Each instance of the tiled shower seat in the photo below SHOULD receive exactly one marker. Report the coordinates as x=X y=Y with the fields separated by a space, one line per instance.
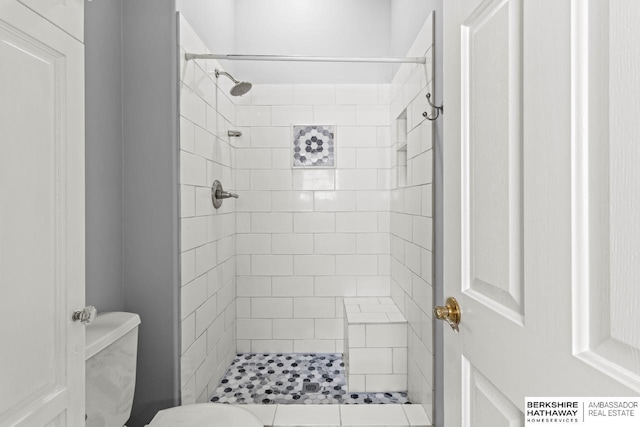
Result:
x=375 y=345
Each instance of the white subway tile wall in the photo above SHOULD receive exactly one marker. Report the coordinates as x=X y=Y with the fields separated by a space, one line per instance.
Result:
x=312 y=235
x=411 y=213
x=208 y=245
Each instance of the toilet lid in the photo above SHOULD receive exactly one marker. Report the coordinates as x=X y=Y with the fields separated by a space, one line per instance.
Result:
x=205 y=415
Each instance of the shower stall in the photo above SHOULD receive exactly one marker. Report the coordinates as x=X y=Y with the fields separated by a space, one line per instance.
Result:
x=315 y=285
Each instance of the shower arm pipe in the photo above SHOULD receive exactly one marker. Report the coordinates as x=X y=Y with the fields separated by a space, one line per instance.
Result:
x=294 y=58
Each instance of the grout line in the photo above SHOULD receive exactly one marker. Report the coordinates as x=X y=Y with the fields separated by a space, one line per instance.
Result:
x=275 y=414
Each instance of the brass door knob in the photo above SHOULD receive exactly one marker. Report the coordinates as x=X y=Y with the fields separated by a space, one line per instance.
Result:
x=450 y=312
x=86 y=316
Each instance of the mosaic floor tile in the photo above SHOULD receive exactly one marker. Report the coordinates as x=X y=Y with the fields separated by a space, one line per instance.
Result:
x=310 y=378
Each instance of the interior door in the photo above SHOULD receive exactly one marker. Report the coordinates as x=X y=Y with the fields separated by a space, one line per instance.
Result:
x=42 y=221
x=66 y=14
x=541 y=202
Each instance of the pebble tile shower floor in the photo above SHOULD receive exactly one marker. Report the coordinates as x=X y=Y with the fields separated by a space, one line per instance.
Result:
x=285 y=378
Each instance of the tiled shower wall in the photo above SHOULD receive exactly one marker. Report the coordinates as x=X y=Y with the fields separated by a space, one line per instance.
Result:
x=412 y=212
x=298 y=241
x=307 y=238
x=207 y=235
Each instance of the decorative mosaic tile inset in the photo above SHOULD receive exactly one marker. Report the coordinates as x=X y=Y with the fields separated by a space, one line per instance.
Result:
x=314 y=146
x=291 y=378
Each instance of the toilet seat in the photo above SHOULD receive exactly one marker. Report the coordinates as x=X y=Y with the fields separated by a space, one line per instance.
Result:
x=205 y=415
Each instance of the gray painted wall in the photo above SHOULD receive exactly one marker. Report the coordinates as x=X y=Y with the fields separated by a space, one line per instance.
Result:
x=103 y=155
x=150 y=199
x=360 y=28
x=312 y=27
x=407 y=18
x=132 y=184
x=216 y=21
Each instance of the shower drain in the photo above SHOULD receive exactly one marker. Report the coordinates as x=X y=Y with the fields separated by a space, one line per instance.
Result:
x=310 y=387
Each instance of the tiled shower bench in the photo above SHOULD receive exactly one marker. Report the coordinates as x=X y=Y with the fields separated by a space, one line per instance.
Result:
x=375 y=345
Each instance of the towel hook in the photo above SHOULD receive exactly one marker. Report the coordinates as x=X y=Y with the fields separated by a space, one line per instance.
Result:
x=439 y=109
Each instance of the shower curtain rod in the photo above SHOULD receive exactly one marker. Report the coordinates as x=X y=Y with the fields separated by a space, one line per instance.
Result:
x=235 y=57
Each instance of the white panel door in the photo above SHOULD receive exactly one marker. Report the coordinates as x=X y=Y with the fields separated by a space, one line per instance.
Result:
x=41 y=221
x=66 y=14
x=541 y=203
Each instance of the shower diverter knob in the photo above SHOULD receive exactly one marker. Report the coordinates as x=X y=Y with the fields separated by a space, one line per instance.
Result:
x=218 y=194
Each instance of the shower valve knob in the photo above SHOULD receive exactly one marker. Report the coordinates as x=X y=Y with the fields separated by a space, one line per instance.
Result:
x=226 y=195
x=218 y=194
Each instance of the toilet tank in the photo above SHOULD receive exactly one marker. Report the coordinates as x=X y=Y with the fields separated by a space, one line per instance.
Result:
x=110 y=376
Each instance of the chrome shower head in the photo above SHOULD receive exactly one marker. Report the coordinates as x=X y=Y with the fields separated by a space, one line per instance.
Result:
x=240 y=88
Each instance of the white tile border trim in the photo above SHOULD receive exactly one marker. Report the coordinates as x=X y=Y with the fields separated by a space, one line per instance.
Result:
x=388 y=415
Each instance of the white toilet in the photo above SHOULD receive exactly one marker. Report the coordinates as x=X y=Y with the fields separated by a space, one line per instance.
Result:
x=111 y=350
x=205 y=414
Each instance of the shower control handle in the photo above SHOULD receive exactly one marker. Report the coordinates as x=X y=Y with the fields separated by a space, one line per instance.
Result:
x=218 y=194
x=225 y=195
